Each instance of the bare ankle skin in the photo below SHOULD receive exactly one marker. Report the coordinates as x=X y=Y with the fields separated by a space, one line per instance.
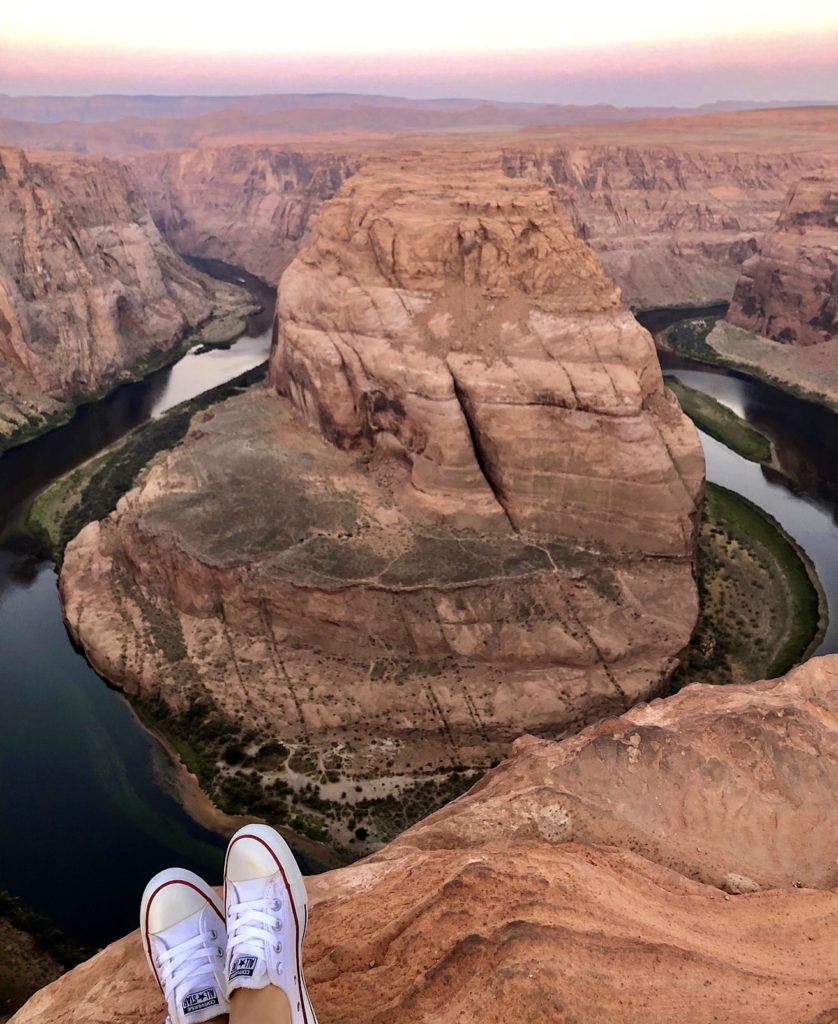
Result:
x=260 y=1006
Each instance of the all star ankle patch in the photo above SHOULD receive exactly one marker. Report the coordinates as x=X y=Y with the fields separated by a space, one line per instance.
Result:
x=201 y=1000
x=243 y=967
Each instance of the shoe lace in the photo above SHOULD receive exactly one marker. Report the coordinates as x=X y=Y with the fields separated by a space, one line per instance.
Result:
x=193 y=959
x=253 y=924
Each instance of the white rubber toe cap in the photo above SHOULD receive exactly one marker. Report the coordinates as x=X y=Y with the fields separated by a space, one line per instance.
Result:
x=250 y=855
x=171 y=897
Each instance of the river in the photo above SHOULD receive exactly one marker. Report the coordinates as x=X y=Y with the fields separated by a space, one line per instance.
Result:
x=86 y=808
x=87 y=812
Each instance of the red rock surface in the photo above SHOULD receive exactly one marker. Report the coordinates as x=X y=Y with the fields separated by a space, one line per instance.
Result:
x=788 y=290
x=672 y=224
x=582 y=881
x=247 y=205
x=87 y=284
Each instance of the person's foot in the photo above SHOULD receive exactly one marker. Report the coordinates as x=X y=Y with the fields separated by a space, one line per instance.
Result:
x=184 y=937
x=267 y=913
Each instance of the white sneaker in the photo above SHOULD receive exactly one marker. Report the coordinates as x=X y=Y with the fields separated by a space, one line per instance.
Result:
x=184 y=937
x=267 y=914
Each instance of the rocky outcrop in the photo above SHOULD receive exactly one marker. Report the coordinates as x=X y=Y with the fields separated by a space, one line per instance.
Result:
x=472 y=516
x=672 y=224
x=246 y=205
x=676 y=863
x=788 y=290
x=87 y=285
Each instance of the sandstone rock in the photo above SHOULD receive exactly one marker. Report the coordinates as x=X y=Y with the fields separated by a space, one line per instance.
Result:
x=472 y=517
x=87 y=285
x=481 y=913
x=456 y=319
x=246 y=205
x=788 y=290
x=672 y=224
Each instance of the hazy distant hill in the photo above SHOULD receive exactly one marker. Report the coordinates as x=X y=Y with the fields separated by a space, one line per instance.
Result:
x=50 y=109
x=120 y=125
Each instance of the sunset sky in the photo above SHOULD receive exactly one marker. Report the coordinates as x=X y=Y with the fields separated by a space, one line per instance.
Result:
x=629 y=52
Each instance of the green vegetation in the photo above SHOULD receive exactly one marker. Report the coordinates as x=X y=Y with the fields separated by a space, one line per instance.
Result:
x=689 y=338
x=92 y=491
x=722 y=423
x=759 y=609
x=242 y=773
x=48 y=936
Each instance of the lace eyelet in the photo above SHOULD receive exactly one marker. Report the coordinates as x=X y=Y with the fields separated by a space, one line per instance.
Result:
x=279 y=967
x=278 y=926
x=275 y=905
x=278 y=947
x=157 y=961
x=213 y=933
x=220 y=952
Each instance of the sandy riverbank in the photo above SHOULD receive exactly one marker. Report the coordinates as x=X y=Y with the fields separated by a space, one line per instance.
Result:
x=807 y=370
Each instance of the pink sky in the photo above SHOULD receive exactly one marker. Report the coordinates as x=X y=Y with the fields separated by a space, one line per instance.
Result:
x=754 y=49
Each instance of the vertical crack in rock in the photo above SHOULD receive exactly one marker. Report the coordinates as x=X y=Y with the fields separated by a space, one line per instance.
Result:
x=483 y=462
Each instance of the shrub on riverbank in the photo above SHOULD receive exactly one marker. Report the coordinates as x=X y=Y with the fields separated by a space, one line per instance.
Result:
x=759 y=609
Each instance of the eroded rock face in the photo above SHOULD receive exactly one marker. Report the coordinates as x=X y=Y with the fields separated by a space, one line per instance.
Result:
x=472 y=517
x=672 y=224
x=87 y=285
x=246 y=205
x=585 y=880
x=456 y=322
x=788 y=290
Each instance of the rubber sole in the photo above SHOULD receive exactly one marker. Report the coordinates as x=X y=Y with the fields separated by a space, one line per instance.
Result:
x=288 y=868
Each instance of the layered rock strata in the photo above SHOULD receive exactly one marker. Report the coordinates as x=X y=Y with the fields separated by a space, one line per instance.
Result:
x=246 y=205
x=470 y=514
x=672 y=224
x=676 y=863
x=87 y=284
x=788 y=290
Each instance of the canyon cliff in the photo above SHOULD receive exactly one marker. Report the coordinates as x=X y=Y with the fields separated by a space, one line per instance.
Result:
x=788 y=290
x=246 y=205
x=673 y=208
x=674 y=864
x=466 y=511
x=87 y=284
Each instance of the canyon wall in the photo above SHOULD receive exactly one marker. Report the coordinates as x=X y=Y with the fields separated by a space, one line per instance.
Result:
x=469 y=512
x=246 y=205
x=671 y=224
x=675 y=863
x=87 y=284
x=788 y=290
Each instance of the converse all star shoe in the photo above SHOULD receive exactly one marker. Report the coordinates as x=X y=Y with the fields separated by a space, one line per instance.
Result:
x=267 y=913
x=184 y=937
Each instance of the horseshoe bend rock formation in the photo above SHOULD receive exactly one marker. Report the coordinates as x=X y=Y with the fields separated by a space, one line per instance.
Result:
x=788 y=290
x=472 y=516
x=87 y=285
x=676 y=863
